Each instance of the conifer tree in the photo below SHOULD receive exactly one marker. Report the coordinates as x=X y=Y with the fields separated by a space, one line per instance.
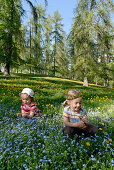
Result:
x=62 y=60
x=10 y=24
x=48 y=44
x=38 y=57
x=92 y=17
x=11 y=12
x=57 y=36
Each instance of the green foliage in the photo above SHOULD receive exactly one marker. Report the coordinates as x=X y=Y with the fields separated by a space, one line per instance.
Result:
x=57 y=36
x=91 y=40
x=42 y=46
x=10 y=32
x=48 y=45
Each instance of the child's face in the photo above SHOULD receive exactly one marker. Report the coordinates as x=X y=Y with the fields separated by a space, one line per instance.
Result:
x=75 y=104
x=26 y=99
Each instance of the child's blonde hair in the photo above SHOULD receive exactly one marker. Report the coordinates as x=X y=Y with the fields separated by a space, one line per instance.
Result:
x=72 y=94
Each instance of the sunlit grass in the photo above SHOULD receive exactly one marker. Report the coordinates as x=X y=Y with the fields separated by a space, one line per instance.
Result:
x=39 y=143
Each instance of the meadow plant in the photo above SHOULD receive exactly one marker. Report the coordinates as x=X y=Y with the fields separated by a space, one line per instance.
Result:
x=39 y=143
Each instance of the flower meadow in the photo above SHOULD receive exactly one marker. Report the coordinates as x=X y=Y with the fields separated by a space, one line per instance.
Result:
x=33 y=144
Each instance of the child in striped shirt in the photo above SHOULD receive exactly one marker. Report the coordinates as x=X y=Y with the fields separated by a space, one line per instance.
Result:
x=28 y=107
x=75 y=117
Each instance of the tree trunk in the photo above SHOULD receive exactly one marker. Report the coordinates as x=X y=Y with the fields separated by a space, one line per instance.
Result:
x=30 y=70
x=30 y=48
x=7 y=70
x=54 y=68
x=96 y=81
x=34 y=71
x=16 y=70
x=107 y=83
x=85 y=82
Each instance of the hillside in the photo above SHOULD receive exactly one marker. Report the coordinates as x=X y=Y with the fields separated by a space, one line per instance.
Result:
x=40 y=143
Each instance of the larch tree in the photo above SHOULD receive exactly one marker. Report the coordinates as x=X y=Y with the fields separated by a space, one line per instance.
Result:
x=104 y=37
x=62 y=58
x=48 y=44
x=57 y=36
x=38 y=58
x=11 y=12
x=84 y=43
x=10 y=24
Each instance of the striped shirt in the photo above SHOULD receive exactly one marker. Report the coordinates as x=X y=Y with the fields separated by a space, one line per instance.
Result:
x=31 y=108
x=72 y=116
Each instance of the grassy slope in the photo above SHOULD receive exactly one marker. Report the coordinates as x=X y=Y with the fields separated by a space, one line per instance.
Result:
x=49 y=90
x=49 y=94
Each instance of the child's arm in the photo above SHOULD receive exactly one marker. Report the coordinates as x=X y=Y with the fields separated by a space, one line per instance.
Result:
x=21 y=114
x=28 y=116
x=70 y=124
x=32 y=113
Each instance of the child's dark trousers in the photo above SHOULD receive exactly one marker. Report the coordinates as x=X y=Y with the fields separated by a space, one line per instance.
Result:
x=89 y=130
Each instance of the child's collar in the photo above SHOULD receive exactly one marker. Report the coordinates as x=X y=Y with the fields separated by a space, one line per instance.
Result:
x=30 y=105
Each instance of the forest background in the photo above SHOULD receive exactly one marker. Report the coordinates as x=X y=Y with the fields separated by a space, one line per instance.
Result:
x=43 y=47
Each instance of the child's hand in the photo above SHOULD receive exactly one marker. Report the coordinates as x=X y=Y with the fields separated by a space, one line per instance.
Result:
x=81 y=124
x=85 y=120
x=19 y=114
x=31 y=114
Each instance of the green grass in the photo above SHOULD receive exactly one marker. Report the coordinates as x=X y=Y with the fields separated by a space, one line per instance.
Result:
x=39 y=143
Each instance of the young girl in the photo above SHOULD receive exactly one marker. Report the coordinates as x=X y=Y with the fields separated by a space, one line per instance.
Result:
x=75 y=117
x=28 y=108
